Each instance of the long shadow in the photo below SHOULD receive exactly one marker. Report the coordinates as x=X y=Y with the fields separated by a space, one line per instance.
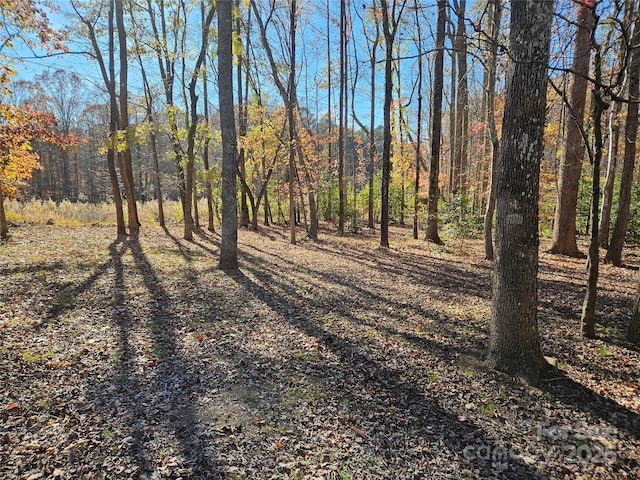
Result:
x=357 y=298
x=624 y=419
x=175 y=376
x=434 y=422
x=162 y=398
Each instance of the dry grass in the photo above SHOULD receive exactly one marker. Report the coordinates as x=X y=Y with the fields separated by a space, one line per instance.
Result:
x=70 y=214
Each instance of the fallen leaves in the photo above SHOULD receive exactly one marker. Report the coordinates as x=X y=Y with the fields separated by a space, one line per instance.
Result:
x=357 y=363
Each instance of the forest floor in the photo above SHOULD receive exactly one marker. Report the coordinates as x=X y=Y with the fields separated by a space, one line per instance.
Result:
x=331 y=359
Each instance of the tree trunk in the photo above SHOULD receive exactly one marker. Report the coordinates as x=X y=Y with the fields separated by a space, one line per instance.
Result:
x=205 y=150
x=436 y=127
x=342 y=119
x=416 y=198
x=390 y=21
x=4 y=226
x=229 y=241
x=292 y=128
x=614 y=253
x=493 y=130
x=462 y=104
x=127 y=172
x=564 y=225
x=607 y=191
x=588 y=317
x=242 y=128
x=514 y=343
x=587 y=320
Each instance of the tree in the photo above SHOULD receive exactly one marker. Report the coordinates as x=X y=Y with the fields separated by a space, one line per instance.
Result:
x=459 y=173
x=514 y=343
x=229 y=243
x=342 y=122
x=390 y=22
x=19 y=127
x=193 y=123
x=436 y=127
x=493 y=131
x=288 y=93
x=587 y=319
x=614 y=252
x=564 y=225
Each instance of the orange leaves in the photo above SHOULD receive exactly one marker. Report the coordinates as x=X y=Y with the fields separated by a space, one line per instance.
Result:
x=19 y=126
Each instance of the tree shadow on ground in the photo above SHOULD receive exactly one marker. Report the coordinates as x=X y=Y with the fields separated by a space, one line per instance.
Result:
x=433 y=423
x=164 y=402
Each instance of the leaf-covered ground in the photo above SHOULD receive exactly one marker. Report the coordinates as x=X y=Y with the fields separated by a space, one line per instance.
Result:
x=331 y=359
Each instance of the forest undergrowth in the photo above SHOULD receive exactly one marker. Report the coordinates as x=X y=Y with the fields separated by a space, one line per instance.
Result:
x=332 y=359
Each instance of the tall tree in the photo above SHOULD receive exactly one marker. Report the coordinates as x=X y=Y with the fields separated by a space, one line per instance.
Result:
x=587 y=319
x=107 y=70
x=459 y=173
x=614 y=252
x=491 y=122
x=229 y=242
x=416 y=199
x=288 y=93
x=193 y=123
x=342 y=119
x=373 y=42
x=126 y=164
x=436 y=127
x=390 y=22
x=514 y=343
x=564 y=225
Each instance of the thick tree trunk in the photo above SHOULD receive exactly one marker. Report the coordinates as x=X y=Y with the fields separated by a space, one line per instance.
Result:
x=514 y=343
x=436 y=127
x=229 y=242
x=564 y=225
x=614 y=252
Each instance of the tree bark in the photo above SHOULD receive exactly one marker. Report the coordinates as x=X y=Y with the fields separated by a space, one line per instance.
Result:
x=564 y=225
x=436 y=127
x=462 y=104
x=229 y=242
x=607 y=191
x=493 y=130
x=514 y=343
x=390 y=21
x=614 y=252
x=342 y=119
x=127 y=172
x=416 y=199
